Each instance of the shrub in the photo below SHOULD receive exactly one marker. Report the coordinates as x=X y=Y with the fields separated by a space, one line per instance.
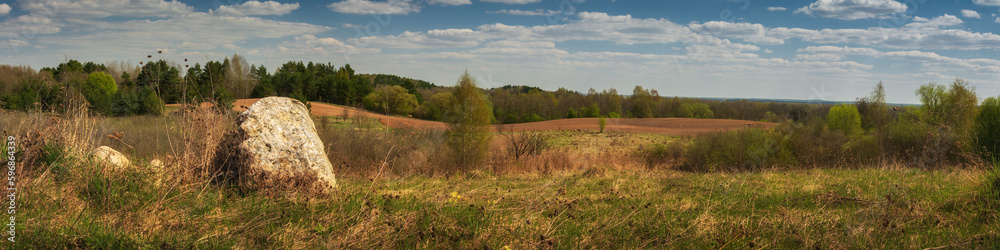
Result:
x=151 y=103
x=524 y=143
x=955 y=106
x=32 y=92
x=391 y=99
x=696 y=110
x=844 y=118
x=750 y=149
x=99 y=90
x=811 y=144
x=660 y=154
x=987 y=128
x=903 y=138
x=468 y=121
x=873 y=109
x=602 y=123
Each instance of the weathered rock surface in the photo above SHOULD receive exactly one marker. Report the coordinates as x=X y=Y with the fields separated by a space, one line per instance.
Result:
x=276 y=144
x=110 y=156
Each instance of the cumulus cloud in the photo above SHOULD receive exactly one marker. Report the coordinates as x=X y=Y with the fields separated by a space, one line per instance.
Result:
x=852 y=9
x=970 y=14
x=4 y=9
x=365 y=7
x=538 y=12
x=450 y=2
x=928 y=59
x=513 y=1
x=106 y=8
x=941 y=21
x=987 y=2
x=256 y=8
x=776 y=8
x=750 y=32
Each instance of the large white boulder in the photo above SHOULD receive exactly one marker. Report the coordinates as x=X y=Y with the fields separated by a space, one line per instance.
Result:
x=276 y=144
x=110 y=156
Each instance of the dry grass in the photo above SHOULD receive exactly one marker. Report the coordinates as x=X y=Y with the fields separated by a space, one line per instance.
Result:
x=586 y=191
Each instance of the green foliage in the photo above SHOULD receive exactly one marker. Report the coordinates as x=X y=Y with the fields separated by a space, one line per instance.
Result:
x=468 y=121
x=659 y=154
x=572 y=114
x=750 y=149
x=162 y=78
x=319 y=82
x=602 y=123
x=264 y=86
x=955 y=106
x=151 y=103
x=695 y=110
x=435 y=107
x=642 y=103
x=844 y=118
x=32 y=92
x=987 y=128
x=391 y=99
x=873 y=109
x=99 y=89
x=614 y=115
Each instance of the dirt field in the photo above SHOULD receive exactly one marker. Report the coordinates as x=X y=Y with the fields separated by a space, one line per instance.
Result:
x=663 y=126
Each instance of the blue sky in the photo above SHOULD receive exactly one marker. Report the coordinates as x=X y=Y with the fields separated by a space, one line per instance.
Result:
x=818 y=49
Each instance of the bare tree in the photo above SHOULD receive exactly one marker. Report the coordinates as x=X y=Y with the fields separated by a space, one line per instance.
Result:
x=523 y=143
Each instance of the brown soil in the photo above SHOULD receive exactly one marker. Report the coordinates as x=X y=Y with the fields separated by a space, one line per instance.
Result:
x=664 y=126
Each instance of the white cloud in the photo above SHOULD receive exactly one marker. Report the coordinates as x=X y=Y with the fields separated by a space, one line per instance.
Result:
x=929 y=60
x=106 y=8
x=364 y=7
x=450 y=2
x=970 y=14
x=941 y=21
x=922 y=33
x=196 y=31
x=447 y=38
x=4 y=9
x=750 y=32
x=538 y=12
x=513 y=1
x=997 y=20
x=776 y=8
x=852 y=9
x=256 y=8
x=987 y=2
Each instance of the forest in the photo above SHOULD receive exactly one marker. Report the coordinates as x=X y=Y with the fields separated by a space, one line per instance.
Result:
x=119 y=89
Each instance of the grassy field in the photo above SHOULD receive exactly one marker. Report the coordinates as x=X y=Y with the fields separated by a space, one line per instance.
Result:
x=594 y=195
x=866 y=208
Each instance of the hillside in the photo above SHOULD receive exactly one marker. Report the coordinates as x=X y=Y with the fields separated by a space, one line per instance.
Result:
x=663 y=126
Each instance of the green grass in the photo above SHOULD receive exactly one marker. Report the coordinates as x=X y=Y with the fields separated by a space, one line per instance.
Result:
x=825 y=208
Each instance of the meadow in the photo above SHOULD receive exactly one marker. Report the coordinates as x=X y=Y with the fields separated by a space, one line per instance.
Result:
x=583 y=189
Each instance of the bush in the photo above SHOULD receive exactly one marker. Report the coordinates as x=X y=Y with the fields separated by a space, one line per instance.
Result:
x=524 y=143
x=32 y=92
x=903 y=138
x=955 y=106
x=844 y=118
x=660 y=154
x=811 y=144
x=696 y=110
x=391 y=99
x=987 y=128
x=750 y=149
x=602 y=123
x=151 y=103
x=99 y=89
